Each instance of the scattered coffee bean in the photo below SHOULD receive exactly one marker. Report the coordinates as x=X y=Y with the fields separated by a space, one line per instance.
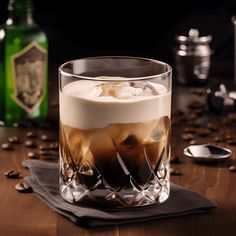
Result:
x=30 y=144
x=203 y=131
x=211 y=126
x=46 y=138
x=12 y=174
x=33 y=155
x=174 y=160
x=228 y=137
x=231 y=142
x=23 y=188
x=31 y=134
x=232 y=168
x=218 y=139
x=175 y=172
x=44 y=147
x=193 y=142
x=187 y=136
x=51 y=146
x=14 y=139
x=7 y=146
x=54 y=146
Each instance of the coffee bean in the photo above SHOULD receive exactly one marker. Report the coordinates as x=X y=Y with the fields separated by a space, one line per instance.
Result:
x=232 y=168
x=175 y=172
x=228 y=137
x=51 y=146
x=231 y=142
x=33 y=155
x=192 y=142
x=12 y=174
x=46 y=138
x=174 y=160
x=187 y=136
x=203 y=131
x=14 y=139
x=31 y=134
x=7 y=146
x=211 y=126
x=30 y=144
x=23 y=188
x=218 y=139
x=54 y=146
x=44 y=147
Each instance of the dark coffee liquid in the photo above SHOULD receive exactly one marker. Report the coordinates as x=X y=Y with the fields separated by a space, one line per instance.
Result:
x=111 y=166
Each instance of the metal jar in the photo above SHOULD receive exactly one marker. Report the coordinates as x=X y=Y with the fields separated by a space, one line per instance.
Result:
x=192 y=57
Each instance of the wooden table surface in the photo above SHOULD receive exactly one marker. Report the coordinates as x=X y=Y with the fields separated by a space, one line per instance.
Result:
x=25 y=214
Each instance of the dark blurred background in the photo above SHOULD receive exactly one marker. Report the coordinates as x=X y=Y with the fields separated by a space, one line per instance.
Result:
x=76 y=29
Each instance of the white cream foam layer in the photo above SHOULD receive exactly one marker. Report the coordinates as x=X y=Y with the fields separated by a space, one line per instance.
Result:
x=82 y=107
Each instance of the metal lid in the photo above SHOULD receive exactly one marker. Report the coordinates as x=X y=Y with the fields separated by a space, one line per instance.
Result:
x=193 y=37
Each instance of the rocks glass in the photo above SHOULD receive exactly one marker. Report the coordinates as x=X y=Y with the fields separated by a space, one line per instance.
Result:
x=115 y=131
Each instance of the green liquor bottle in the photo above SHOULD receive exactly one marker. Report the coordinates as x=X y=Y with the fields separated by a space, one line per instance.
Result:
x=23 y=65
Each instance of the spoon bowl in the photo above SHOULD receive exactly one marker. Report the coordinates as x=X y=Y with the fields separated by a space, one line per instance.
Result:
x=207 y=153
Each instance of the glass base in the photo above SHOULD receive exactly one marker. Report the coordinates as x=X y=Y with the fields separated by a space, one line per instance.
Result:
x=103 y=195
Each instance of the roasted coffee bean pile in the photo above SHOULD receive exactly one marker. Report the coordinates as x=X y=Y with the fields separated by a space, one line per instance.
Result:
x=44 y=147
x=197 y=125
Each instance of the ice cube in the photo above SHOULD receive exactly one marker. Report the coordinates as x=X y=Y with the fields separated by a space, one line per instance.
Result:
x=124 y=90
x=128 y=92
x=146 y=88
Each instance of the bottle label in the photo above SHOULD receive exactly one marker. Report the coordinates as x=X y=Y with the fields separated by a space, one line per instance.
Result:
x=29 y=76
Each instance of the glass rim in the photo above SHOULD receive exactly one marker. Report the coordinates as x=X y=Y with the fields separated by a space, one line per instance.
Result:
x=72 y=75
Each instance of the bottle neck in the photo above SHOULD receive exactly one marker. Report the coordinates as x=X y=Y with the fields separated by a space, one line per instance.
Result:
x=20 y=12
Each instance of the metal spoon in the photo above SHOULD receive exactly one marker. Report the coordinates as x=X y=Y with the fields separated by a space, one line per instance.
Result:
x=207 y=153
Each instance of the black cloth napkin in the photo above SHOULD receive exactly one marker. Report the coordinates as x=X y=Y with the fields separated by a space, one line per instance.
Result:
x=45 y=184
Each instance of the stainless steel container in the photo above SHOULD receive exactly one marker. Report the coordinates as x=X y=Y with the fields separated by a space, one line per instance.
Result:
x=192 y=57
